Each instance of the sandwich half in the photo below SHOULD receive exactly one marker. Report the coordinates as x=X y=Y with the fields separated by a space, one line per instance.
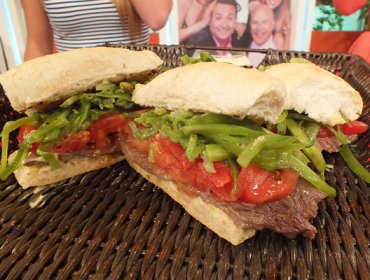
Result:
x=322 y=110
x=74 y=101
x=203 y=139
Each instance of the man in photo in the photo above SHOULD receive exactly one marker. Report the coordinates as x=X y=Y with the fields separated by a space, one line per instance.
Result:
x=262 y=24
x=220 y=32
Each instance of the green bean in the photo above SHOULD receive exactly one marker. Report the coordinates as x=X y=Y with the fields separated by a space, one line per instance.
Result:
x=235 y=172
x=70 y=101
x=126 y=87
x=215 y=152
x=220 y=129
x=256 y=147
x=281 y=128
x=313 y=153
x=354 y=164
x=232 y=144
x=210 y=118
x=190 y=148
x=57 y=120
x=309 y=175
x=269 y=160
x=105 y=86
x=282 y=117
x=49 y=158
x=8 y=128
x=143 y=133
x=21 y=155
x=209 y=166
x=311 y=130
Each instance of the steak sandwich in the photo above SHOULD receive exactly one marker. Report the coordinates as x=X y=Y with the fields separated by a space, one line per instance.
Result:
x=73 y=101
x=205 y=140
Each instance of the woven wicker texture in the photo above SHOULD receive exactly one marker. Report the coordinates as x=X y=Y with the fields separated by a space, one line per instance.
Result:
x=113 y=224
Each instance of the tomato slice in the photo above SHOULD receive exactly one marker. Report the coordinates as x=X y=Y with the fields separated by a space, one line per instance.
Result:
x=255 y=185
x=170 y=157
x=23 y=131
x=259 y=186
x=220 y=183
x=103 y=127
x=354 y=127
x=77 y=142
x=177 y=151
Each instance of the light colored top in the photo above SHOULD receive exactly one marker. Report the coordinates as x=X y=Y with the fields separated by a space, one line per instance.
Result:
x=86 y=23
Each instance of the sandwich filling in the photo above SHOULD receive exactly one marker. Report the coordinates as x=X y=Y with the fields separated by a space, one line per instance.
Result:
x=81 y=126
x=260 y=178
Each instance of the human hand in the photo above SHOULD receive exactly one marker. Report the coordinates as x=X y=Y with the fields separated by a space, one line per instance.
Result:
x=207 y=13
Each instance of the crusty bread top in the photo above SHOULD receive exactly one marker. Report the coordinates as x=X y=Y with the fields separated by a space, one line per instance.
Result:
x=320 y=94
x=58 y=76
x=215 y=87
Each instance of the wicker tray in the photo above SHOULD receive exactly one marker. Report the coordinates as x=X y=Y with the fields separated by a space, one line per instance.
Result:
x=112 y=223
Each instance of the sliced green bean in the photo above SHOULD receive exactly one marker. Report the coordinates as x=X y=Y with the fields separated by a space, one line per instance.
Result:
x=8 y=128
x=354 y=164
x=312 y=130
x=313 y=153
x=235 y=172
x=309 y=175
x=215 y=152
x=220 y=129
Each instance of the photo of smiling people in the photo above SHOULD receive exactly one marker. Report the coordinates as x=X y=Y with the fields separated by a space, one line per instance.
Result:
x=256 y=24
x=213 y=23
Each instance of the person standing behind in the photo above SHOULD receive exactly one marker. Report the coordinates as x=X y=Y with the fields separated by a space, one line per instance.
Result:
x=85 y=23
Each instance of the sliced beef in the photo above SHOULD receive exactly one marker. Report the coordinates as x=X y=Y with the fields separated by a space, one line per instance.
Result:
x=332 y=144
x=289 y=216
x=33 y=160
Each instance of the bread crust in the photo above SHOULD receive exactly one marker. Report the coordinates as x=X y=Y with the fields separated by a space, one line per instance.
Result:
x=58 y=76
x=209 y=215
x=216 y=87
x=320 y=94
x=41 y=175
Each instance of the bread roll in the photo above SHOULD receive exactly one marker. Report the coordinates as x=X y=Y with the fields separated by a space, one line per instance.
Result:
x=215 y=87
x=58 y=76
x=209 y=215
x=41 y=175
x=320 y=94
